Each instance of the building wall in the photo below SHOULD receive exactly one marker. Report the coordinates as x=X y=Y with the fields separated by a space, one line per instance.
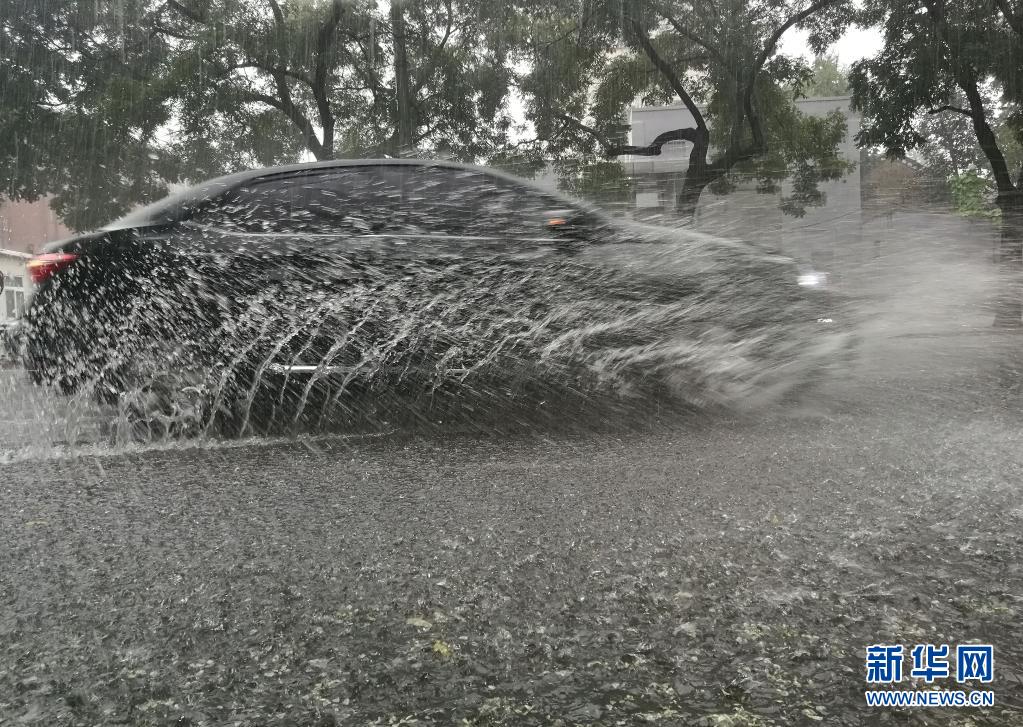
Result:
x=28 y=226
x=16 y=284
x=829 y=237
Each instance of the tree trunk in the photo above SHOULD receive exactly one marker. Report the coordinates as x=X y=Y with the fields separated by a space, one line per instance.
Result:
x=403 y=107
x=328 y=139
x=1009 y=310
x=687 y=201
x=696 y=180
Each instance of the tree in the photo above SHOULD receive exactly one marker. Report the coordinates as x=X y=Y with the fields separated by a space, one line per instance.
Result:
x=951 y=150
x=938 y=58
x=936 y=54
x=826 y=78
x=431 y=75
x=588 y=62
x=73 y=120
x=167 y=90
x=971 y=194
x=888 y=184
x=950 y=144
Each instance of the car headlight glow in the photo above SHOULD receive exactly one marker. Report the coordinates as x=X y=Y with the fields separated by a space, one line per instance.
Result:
x=813 y=280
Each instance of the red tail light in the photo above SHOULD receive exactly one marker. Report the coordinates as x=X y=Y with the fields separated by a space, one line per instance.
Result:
x=42 y=267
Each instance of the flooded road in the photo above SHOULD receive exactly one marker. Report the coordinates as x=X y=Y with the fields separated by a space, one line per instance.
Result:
x=724 y=568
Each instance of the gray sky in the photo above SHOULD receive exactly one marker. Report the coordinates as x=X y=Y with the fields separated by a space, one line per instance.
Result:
x=857 y=43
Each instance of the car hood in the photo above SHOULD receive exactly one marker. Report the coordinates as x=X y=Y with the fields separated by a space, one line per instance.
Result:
x=658 y=251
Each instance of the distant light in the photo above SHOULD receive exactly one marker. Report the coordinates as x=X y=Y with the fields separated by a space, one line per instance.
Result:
x=813 y=280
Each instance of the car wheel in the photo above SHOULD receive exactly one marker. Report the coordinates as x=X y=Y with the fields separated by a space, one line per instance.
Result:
x=162 y=409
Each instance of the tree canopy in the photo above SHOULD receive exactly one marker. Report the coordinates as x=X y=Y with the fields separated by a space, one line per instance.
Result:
x=588 y=63
x=958 y=62
x=826 y=78
x=104 y=105
x=75 y=119
x=345 y=78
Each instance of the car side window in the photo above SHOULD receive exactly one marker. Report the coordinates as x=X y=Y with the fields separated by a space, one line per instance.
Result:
x=467 y=203
x=356 y=200
x=385 y=199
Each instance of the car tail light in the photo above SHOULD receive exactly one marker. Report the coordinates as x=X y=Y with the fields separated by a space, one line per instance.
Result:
x=42 y=267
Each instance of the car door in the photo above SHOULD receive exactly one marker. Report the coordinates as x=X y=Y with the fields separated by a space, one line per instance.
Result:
x=268 y=263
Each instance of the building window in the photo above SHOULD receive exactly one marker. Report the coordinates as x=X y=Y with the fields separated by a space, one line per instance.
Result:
x=14 y=281
x=15 y=303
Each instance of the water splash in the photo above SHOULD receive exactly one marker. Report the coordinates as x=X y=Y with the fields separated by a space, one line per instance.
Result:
x=474 y=341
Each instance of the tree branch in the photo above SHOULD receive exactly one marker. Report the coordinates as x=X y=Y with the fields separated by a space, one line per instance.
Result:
x=756 y=130
x=297 y=75
x=714 y=7
x=522 y=143
x=284 y=103
x=447 y=26
x=949 y=107
x=966 y=79
x=375 y=86
x=687 y=33
x=275 y=8
x=668 y=72
x=1015 y=21
x=424 y=76
x=730 y=158
x=187 y=12
x=652 y=149
x=426 y=133
x=173 y=33
x=772 y=40
x=321 y=75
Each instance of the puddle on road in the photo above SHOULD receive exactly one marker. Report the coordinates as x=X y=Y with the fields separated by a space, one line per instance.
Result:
x=34 y=421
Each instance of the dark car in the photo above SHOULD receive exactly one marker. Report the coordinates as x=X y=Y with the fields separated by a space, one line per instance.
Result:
x=301 y=280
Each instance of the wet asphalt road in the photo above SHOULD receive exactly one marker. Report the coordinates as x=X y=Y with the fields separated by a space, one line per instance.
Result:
x=724 y=570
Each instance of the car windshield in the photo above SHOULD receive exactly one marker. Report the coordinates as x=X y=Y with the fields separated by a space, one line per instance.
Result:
x=494 y=362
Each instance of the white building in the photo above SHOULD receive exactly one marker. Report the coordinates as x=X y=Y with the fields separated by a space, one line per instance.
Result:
x=16 y=284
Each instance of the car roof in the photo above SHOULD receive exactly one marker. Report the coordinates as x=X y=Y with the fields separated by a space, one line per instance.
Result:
x=169 y=209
